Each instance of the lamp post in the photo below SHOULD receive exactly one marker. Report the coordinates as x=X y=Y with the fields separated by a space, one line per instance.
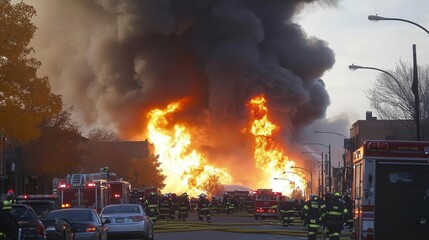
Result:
x=380 y=18
x=344 y=185
x=321 y=178
x=354 y=67
x=311 y=176
x=415 y=86
x=329 y=162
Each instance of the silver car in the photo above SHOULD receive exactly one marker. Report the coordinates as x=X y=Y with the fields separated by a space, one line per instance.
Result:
x=127 y=221
x=85 y=222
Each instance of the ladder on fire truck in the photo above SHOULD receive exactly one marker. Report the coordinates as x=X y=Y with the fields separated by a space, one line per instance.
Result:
x=77 y=179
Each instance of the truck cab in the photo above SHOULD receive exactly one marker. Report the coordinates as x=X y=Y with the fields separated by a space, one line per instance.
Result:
x=391 y=190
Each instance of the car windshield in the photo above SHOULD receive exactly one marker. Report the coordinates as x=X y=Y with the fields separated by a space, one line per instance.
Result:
x=39 y=207
x=121 y=209
x=71 y=215
x=23 y=214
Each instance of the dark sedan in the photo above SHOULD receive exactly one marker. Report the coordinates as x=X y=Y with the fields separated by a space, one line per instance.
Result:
x=31 y=226
x=85 y=222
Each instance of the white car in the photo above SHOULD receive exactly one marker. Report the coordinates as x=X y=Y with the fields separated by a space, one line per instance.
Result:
x=127 y=221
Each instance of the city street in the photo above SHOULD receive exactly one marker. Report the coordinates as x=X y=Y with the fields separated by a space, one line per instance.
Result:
x=229 y=227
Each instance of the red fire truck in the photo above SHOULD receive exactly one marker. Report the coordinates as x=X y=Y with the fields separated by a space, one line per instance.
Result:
x=266 y=202
x=391 y=190
x=89 y=190
x=120 y=192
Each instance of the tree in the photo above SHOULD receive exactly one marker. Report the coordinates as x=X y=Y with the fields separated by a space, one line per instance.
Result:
x=146 y=172
x=102 y=134
x=57 y=151
x=25 y=100
x=393 y=99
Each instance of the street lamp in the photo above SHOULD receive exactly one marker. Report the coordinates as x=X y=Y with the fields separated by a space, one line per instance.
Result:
x=311 y=176
x=415 y=86
x=346 y=147
x=329 y=162
x=321 y=176
x=354 y=67
x=380 y=18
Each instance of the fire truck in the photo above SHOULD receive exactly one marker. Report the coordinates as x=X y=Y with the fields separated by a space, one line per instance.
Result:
x=391 y=190
x=120 y=192
x=88 y=190
x=266 y=202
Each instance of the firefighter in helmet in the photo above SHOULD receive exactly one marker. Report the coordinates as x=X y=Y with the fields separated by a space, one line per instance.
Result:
x=203 y=208
x=184 y=207
x=312 y=213
x=334 y=218
x=8 y=224
x=165 y=206
x=10 y=196
x=287 y=211
x=152 y=206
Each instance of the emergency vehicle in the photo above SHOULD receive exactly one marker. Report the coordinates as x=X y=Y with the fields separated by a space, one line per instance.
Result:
x=40 y=203
x=120 y=192
x=391 y=190
x=139 y=195
x=266 y=202
x=88 y=190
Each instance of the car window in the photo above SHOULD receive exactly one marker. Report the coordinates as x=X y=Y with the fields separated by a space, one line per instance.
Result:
x=96 y=217
x=23 y=213
x=72 y=215
x=122 y=209
x=39 y=207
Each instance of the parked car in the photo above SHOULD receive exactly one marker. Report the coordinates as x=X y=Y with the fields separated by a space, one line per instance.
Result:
x=85 y=222
x=127 y=221
x=31 y=227
x=58 y=229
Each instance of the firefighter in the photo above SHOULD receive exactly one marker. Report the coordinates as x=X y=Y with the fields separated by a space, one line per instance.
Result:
x=184 y=207
x=214 y=203
x=203 y=208
x=11 y=196
x=335 y=216
x=165 y=206
x=225 y=199
x=287 y=210
x=8 y=224
x=175 y=202
x=312 y=213
x=348 y=203
x=152 y=206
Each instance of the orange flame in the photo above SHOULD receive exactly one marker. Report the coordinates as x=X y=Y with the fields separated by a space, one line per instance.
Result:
x=185 y=168
x=269 y=155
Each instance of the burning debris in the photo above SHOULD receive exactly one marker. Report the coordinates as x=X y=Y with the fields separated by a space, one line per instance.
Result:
x=120 y=63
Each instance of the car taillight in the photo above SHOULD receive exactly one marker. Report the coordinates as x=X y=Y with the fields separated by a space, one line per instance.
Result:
x=90 y=228
x=137 y=218
x=40 y=230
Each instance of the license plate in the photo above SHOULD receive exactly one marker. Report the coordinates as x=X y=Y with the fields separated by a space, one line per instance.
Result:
x=119 y=220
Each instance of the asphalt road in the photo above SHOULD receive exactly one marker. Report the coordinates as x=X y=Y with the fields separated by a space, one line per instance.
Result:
x=230 y=227
x=227 y=227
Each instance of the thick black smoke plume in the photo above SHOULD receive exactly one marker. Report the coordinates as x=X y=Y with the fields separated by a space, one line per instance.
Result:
x=115 y=60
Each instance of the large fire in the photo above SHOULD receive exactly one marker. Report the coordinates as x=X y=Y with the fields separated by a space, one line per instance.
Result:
x=187 y=170
x=269 y=155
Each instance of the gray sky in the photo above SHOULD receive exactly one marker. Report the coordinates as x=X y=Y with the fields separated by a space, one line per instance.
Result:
x=357 y=40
